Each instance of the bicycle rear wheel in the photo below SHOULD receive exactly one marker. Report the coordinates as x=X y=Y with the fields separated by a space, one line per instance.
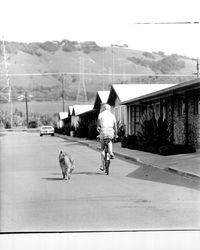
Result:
x=107 y=159
x=107 y=164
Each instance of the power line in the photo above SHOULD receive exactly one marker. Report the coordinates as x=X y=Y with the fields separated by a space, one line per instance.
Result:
x=90 y=74
x=196 y=22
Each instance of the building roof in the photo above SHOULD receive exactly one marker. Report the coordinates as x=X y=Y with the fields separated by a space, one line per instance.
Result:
x=179 y=88
x=101 y=97
x=127 y=92
x=79 y=109
x=63 y=115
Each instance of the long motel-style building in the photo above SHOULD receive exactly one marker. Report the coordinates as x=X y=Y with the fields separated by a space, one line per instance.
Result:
x=178 y=103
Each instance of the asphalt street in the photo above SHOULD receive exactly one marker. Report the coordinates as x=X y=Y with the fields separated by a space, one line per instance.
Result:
x=34 y=198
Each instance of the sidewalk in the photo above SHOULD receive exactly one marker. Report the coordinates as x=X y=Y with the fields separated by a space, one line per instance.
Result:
x=187 y=165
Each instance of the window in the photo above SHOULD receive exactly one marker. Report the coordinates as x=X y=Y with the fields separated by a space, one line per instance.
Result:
x=138 y=114
x=123 y=114
x=196 y=105
x=166 y=111
x=116 y=113
x=157 y=110
x=181 y=107
x=132 y=119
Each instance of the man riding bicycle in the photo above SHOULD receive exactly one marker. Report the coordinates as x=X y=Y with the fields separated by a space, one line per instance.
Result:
x=107 y=127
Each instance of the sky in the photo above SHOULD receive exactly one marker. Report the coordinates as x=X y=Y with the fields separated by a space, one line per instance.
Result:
x=105 y=22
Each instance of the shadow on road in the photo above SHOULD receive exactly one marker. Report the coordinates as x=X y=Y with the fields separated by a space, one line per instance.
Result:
x=52 y=179
x=150 y=173
x=61 y=179
x=87 y=173
x=69 y=144
x=74 y=173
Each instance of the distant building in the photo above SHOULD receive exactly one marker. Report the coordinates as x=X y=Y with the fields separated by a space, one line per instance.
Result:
x=61 y=117
x=77 y=111
x=91 y=116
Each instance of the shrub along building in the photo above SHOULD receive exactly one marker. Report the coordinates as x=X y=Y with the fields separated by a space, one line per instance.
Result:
x=66 y=122
x=120 y=94
x=179 y=104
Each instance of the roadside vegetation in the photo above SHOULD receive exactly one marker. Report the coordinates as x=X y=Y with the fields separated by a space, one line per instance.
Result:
x=19 y=119
x=154 y=136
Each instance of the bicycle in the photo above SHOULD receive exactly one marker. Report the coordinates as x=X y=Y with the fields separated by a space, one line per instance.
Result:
x=107 y=155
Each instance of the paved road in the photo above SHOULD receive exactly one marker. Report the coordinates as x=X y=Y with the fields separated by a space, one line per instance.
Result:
x=35 y=198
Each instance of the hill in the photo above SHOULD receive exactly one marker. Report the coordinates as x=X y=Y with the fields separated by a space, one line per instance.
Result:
x=105 y=65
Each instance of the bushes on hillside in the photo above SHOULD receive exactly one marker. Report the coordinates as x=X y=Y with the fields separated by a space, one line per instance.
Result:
x=68 y=46
x=29 y=48
x=165 y=65
x=49 y=46
x=90 y=46
x=149 y=55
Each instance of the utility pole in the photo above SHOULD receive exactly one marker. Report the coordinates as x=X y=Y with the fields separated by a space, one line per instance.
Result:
x=7 y=86
x=63 y=93
x=25 y=98
x=26 y=101
x=81 y=86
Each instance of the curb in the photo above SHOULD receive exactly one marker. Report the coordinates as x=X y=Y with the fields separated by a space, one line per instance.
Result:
x=181 y=173
x=20 y=130
x=167 y=169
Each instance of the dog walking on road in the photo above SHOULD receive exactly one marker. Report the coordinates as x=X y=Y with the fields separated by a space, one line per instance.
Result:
x=67 y=164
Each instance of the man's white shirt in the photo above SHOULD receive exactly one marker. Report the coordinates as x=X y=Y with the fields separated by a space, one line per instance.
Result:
x=106 y=119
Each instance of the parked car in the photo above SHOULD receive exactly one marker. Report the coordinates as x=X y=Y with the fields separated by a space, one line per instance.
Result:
x=32 y=124
x=47 y=130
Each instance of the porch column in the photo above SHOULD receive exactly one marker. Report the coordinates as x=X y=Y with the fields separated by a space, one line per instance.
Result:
x=161 y=106
x=186 y=119
x=172 y=117
x=134 y=120
x=129 y=119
